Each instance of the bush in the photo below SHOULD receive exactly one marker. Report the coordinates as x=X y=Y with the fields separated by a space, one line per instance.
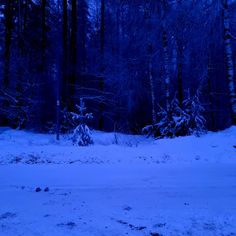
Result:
x=176 y=121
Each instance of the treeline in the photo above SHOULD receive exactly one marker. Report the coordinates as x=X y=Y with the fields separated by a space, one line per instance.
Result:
x=127 y=60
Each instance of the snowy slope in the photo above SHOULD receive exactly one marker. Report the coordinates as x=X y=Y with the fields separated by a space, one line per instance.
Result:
x=184 y=186
x=20 y=146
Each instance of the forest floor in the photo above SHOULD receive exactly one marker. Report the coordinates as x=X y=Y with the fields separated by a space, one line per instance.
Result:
x=121 y=185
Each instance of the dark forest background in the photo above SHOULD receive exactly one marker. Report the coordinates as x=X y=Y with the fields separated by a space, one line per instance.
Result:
x=125 y=58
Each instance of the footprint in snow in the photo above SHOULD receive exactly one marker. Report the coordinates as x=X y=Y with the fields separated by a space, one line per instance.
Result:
x=7 y=215
x=131 y=226
x=69 y=225
x=127 y=208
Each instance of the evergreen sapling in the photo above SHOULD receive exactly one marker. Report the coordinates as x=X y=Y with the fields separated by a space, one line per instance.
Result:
x=81 y=134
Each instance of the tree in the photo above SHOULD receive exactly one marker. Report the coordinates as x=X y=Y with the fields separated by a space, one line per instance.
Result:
x=73 y=52
x=229 y=58
x=150 y=75
x=165 y=52
x=8 y=16
x=102 y=65
x=123 y=57
x=81 y=134
x=176 y=121
x=64 y=53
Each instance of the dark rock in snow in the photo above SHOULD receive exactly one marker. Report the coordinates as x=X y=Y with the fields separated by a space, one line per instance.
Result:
x=38 y=190
x=155 y=234
x=46 y=189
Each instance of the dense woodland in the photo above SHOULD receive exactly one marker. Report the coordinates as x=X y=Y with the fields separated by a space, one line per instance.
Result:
x=134 y=63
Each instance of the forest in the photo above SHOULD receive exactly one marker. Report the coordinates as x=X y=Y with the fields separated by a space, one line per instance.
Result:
x=117 y=117
x=162 y=67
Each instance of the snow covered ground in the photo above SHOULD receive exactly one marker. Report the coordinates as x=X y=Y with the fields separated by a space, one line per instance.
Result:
x=122 y=185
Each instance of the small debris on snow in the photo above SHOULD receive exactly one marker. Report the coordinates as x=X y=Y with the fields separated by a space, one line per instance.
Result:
x=69 y=225
x=47 y=215
x=160 y=225
x=127 y=208
x=131 y=226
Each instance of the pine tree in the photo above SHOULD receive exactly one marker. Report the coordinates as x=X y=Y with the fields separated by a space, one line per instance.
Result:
x=81 y=134
x=170 y=121
x=196 y=122
x=177 y=121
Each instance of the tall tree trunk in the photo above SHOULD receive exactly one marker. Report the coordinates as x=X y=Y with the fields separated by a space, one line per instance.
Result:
x=102 y=69
x=43 y=91
x=229 y=59
x=164 y=10
x=64 y=60
x=166 y=66
x=73 y=52
x=209 y=89
x=57 y=79
x=150 y=76
x=82 y=42
x=19 y=75
x=43 y=6
x=20 y=22
x=102 y=28
x=118 y=38
x=180 y=72
x=26 y=3
x=8 y=34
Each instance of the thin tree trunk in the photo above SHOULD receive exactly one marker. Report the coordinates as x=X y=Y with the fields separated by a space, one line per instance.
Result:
x=26 y=3
x=58 y=101
x=8 y=34
x=167 y=71
x=151 y=82
x=65 y=88
x=102 y=69
x=211 y=69
x=229 y=59
x=43 y=88
x=43 y=35
x=180 y=72
x=73 y=52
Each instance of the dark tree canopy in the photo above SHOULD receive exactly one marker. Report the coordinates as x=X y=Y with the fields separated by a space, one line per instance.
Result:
x=126 y=59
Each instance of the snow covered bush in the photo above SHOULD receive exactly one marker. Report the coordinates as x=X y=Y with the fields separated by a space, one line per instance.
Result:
x=194 y=110
x=171 y=122
x=81 y=134
x=176 y=121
